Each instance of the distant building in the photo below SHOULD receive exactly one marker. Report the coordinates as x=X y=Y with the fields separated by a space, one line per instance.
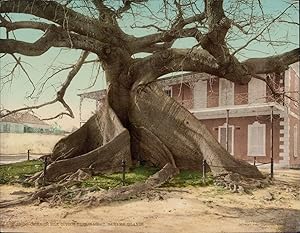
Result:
x=23 y=122
x=246 y=119
x=96 y=96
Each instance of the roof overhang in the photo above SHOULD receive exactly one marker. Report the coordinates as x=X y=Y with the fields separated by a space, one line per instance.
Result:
x=238 y=110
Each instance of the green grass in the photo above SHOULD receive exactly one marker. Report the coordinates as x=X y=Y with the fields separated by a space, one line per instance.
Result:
x=189 y=178
x=184 y=179
x=10 y=173
x=109 y=181
x=18 y=171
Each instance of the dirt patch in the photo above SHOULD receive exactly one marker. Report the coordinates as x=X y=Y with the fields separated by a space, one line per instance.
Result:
x=209 y=209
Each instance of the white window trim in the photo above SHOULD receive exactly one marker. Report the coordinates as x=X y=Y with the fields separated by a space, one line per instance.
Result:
x=232 y=135
x=295 y=141
x=256 y=124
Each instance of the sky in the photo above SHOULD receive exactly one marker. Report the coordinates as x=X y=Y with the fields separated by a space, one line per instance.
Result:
x=39 y=68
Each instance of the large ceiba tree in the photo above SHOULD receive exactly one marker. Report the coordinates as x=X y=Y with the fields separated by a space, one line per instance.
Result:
x=138 y=121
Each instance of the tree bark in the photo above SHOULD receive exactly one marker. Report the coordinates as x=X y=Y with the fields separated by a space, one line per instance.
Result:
x=185 y=138
x=154 y=129
x=99 y=145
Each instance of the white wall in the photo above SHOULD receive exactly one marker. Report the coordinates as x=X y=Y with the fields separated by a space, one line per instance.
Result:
x=37 y=126
x=14 y=143
x=13 y=127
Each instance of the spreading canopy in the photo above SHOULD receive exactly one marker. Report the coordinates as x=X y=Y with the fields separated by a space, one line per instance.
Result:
x=220 y=33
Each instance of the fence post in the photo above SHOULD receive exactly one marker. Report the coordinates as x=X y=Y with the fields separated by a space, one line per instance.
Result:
x=28 y=154
x=203 y=172
x=272 y=141
x=254 y=160
x=45 y=169
x=227 y=129
x=123 y=171
x=272 y=167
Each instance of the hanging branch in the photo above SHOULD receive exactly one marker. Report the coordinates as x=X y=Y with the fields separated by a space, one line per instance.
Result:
x=60 y=94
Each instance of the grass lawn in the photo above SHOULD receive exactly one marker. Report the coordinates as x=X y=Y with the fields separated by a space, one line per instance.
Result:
x=12 y=173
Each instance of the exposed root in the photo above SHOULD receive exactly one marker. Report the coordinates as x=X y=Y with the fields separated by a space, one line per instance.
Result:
x=156 y=180
x=160 y=132
x=240 y=184
x=188 y=140
x=106 y=144
x=70 y=191
x=41 y=194
x=131 y=191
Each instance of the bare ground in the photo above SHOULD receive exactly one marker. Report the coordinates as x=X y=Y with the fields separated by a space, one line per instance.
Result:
x=206 y=209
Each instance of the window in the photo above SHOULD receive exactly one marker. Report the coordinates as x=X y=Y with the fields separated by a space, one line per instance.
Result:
x=226 y=90
x=222 y=137
x=257 y=139
x=295 y=141
x=256 y=91
x=168 y=91
x=6 y=128
x=200 y=94
x=16 y=128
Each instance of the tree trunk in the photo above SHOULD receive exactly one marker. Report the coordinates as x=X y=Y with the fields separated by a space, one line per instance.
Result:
x=99 y=145
x=154 y=129
x=183 y=136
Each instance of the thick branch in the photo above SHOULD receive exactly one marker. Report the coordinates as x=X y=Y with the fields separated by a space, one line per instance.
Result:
x=174 y=60
x=271 y=64
x=218 y=26
x=69 y=19
x=54 y=37
x=11 y=26
x=105 y=14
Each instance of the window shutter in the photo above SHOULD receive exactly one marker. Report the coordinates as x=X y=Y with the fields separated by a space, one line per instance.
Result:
x=200 y=94
x=256 y=139
x=226 y=92
x=256 y=91
x=222 y=137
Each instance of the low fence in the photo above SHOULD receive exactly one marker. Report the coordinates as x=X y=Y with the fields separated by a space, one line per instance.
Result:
x=123 y=167
x=203 y=166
